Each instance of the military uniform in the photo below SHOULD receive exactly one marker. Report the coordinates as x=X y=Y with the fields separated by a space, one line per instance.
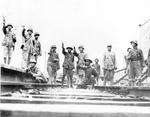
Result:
x=53 y=65
x=81 y=64
x=136 y=63
x=97 y=67
x=68 y=66
x=148 y=61
x=37 y=74
x=89 y=79
x=109 y=65
x=36 y=48
x=8 y=43
x=26 y=49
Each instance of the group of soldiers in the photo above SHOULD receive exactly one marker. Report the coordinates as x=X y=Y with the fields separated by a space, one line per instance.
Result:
x=88 y=73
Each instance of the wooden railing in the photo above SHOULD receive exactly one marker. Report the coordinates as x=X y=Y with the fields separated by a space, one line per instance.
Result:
x=119 y=76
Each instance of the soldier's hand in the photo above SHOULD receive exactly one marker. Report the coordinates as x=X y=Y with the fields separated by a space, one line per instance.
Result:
x=62 y=45
x=3 y=19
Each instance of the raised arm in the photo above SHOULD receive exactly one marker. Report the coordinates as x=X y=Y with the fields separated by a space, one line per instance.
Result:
x=75 y=52
x=23 y=32
x=63 y=49
x=4 y=27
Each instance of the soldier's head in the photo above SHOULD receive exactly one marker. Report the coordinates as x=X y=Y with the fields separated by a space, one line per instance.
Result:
x=30 y=31
x=81 y=48
x=96 y=60
x=134 y=43
x=88 y=62
x=109 y=47
x=53 y=48
x=36 y=35
x=9 y=27
x=69 y=49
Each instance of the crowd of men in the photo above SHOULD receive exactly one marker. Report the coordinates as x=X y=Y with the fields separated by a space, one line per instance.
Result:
x=88 y=73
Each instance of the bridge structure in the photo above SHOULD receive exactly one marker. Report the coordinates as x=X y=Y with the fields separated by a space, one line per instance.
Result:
x=18 y=98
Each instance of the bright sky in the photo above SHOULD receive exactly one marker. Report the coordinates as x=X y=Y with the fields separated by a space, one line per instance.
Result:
x=92 y=23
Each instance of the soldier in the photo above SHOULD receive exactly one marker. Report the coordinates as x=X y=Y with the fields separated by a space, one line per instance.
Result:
x=68 y=64
x=109 y=65
x=148 y=62
x=26 y=46
x=81 y=62
x=97 y=67
x=127 y=61
x=36 y=73
x=36 y=48
x=136 y=62
x=89 y=72
x=53 y=64
x=8 y=42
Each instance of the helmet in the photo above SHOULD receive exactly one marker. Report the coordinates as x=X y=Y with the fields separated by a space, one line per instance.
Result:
x=36 y=34
x=30 y=29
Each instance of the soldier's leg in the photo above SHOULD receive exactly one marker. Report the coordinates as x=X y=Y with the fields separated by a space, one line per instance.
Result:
x=131 y=73
x=24 y=59
x=64 y=75
x=10 y=50
x=112 y=77
x=5 y=60
x=5 y=52
x=105 y=77
x=70 y=78
x=49 y=70
x=54 y=75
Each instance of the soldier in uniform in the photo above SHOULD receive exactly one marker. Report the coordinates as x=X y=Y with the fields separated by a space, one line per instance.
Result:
x=109 y=65
x=136 y=62
x=97 y=67
x=26 y=46
x=36 y=73
x=81 y=62
x=36 y=48
x=68 y=64
x=53 y=64
x=8 y=42
x=89 y=73
x=148 y=63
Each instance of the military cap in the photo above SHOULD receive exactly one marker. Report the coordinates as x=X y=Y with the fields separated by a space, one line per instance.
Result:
x=109 y=45
x=9 y=25
x=53 y=46
x=36 y=34
x=30 y=29
x=81 y=47
x=134 y=41
x=69 y=48
x=88 y=60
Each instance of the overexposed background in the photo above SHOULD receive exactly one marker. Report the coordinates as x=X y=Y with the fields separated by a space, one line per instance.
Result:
x=92 y=23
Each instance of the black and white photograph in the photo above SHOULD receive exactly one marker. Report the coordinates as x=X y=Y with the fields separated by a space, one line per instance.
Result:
x=75 y=58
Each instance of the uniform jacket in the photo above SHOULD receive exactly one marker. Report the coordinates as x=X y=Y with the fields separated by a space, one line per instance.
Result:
x=51 y=60
x=36 y=47
x=81 y=59
x=89 y=72
x=69 y=59
x=97 y=68
x=27 y=44
x=109 y=61
x=9 y=39
x=136 y=55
